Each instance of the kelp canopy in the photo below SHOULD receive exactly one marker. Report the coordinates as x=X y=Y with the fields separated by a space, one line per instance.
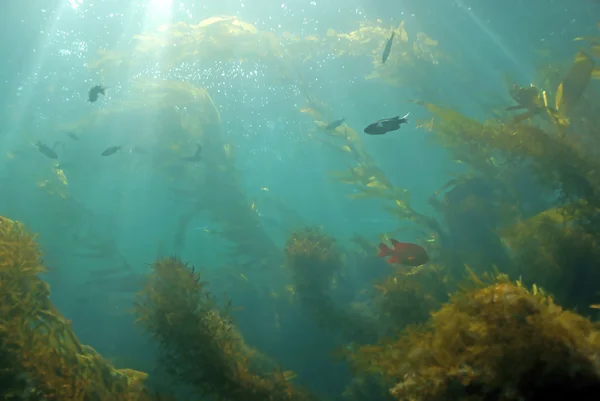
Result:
x=227 y=38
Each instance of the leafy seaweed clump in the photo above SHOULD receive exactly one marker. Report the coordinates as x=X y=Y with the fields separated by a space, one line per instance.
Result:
x=498 y=342
x=315 y=262
x=565 y=258
x=40 y=356
x=313 y=257
x=199 y=345
x=406 y=299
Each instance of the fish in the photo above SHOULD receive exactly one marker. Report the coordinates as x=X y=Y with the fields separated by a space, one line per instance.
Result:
x=334 y=124
x=403 y=253
x=95 y=91
x=111 y=150
x=72 y=135
x=196 y=157
x=386 y=125
x=388 y=48
x=46 y=150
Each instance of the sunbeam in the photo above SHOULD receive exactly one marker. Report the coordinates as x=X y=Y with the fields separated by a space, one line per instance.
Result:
x=495 y=38
x=27 y=93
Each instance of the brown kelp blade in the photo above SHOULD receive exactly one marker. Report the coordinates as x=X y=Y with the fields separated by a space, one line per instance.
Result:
x=573 y=85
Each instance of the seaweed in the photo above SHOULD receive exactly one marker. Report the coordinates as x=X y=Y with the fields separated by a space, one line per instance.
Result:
x=565 y=257
x=40 y=356
x=224 y=39
x=199 y=345
x=571 y=89
x=408 y=299
x=313 y=258
x=315 y=262
x=494 y=340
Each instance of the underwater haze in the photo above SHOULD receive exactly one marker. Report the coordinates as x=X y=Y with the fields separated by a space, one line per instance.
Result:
x=300 y=200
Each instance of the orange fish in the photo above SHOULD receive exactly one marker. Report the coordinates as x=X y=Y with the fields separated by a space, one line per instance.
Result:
x=404 y=253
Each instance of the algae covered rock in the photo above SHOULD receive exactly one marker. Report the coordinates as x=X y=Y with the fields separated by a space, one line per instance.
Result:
x=507 y=343
x=498 y=342
x=40 y=355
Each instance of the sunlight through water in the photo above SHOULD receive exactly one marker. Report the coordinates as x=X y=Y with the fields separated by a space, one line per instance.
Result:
x=495 y=38
x=75 y=4
x=159 y=7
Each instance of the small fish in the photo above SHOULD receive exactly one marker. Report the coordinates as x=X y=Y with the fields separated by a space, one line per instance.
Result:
x=111 y=150
x=46 y=150
x=95 y=91
x=386 y=125
x=72 y=135
x=334 y=124
x=388 y=48
x=197 y=156
x=403 y=253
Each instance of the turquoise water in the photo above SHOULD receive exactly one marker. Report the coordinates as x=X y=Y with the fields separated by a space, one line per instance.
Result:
x=265 y=169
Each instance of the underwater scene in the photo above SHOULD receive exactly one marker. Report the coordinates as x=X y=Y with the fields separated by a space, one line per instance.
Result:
x=300 y=200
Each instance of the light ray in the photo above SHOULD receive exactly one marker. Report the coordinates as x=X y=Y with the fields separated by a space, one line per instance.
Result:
x=27 y=90
x=489 y=32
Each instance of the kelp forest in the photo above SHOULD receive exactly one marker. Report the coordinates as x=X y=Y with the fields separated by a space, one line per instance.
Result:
x=505 y=308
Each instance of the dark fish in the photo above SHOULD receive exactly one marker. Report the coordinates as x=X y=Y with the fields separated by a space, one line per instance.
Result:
x=95 y=91
x=111 y=150
x=334 y=124
x=403 y=253
x=46 y=150
x=388 y=48
x=197 y=157
x=73 y=136
x=386 y=125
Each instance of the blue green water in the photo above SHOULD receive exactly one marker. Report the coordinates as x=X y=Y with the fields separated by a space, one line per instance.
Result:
x=124 y=203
